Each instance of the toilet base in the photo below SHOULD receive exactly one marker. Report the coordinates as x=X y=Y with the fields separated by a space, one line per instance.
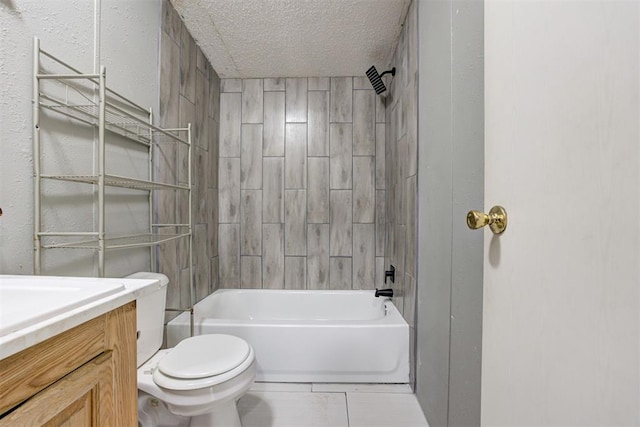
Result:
x=154 y=413
x=226 y=415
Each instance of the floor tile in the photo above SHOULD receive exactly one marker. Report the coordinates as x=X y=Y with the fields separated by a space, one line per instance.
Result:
x=293 y=409
x=384 y=410
x=260 y=386
x=361 y=388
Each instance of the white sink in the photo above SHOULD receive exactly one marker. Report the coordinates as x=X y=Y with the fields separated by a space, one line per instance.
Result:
x=27 y=300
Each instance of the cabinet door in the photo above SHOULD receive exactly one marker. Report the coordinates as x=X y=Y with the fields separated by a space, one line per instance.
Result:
x=82 y=398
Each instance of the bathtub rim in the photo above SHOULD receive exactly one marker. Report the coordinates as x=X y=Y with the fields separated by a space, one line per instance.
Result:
x=392 y=316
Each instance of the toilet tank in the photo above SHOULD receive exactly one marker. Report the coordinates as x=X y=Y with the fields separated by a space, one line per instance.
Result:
x=150 y=316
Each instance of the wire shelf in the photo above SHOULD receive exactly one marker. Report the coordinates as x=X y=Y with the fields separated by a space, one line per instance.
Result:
x=117 y=120
x=117 y=181
x=121 y=242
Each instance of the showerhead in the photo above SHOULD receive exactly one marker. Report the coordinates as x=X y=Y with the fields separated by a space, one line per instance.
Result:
x=376 y=79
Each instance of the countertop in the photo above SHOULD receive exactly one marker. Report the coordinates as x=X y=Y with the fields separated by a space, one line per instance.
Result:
x=31 y=326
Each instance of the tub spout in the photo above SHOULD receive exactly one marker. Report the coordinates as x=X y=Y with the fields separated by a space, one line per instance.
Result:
x=384 y=293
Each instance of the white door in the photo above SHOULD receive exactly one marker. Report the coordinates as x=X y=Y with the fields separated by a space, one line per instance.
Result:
x=561 y=285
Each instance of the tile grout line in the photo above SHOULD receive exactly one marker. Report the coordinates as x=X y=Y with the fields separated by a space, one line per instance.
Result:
x=346 y=399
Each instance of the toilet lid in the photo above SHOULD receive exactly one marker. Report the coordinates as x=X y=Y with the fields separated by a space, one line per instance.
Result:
x=204 y=356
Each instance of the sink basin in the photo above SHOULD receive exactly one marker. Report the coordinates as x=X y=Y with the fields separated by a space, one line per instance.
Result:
x=27 y=300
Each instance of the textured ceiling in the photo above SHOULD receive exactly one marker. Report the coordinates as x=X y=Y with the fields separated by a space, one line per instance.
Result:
x=294 y=38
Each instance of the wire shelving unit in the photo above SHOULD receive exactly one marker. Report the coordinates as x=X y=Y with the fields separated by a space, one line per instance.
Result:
x=85 y=99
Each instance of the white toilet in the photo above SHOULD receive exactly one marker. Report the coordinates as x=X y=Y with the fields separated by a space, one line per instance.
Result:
x=201 y=378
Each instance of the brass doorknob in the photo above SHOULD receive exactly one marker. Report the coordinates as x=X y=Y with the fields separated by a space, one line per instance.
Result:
x=496 y=219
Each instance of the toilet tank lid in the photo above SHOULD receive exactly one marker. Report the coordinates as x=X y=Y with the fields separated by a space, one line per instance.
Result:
x=164 y=280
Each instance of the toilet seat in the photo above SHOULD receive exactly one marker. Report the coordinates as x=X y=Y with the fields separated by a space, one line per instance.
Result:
x=204 y=356
x=203 y=361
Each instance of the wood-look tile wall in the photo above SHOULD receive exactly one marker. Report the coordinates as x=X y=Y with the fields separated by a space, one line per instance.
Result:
x=401 y=167
x=190 y=93
x=301 y=183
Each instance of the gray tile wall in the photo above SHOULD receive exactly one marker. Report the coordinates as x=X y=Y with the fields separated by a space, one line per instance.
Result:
x=311 y=151
x=190 y=93
x=400 y=171
x=291 y=175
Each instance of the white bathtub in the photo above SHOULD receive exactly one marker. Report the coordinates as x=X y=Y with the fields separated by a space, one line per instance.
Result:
x=308 y=336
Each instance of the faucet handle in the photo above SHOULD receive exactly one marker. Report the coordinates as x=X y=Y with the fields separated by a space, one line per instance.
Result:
x=391 y=274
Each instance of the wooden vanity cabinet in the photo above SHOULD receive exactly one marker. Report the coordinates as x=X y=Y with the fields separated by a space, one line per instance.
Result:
x=85 y=376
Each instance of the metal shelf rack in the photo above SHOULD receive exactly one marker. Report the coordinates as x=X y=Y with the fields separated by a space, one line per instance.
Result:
x=86 y=99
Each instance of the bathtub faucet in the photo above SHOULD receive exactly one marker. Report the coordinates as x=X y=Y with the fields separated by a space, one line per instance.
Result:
x=384 y=293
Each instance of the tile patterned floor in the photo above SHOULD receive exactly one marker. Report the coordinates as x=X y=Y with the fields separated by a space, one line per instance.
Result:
x=330 y=405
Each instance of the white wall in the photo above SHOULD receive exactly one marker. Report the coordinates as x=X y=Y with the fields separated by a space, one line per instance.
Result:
x=122 y=35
